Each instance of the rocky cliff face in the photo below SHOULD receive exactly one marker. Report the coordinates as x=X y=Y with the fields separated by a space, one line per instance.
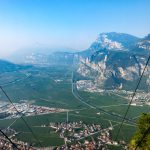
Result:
x=111 y=64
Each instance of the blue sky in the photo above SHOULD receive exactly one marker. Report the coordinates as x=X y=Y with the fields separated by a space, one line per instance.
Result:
x=68 y=23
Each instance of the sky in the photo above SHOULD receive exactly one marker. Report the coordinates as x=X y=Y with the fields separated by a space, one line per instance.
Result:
x=72 y=24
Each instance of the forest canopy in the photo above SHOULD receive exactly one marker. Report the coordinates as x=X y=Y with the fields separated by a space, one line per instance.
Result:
x=141 y=139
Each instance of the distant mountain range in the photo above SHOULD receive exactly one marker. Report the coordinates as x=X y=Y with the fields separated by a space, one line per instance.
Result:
x=42 y=56
x=113 y=61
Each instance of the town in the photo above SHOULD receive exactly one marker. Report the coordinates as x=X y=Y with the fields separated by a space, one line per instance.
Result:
x=9 y=111
x=141 y=98
x=79 y=135
x=76 y=135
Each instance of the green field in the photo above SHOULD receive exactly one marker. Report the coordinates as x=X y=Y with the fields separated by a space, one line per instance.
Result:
x=41 y=88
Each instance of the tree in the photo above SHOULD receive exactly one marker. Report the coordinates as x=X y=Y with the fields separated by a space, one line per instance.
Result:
x=142 y=136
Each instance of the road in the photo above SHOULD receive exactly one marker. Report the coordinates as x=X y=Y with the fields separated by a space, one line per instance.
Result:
x=79 y=98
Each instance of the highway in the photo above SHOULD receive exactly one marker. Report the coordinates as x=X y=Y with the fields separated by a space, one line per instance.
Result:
x=79 y=98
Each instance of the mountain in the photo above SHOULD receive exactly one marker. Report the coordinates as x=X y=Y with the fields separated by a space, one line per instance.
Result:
x=115 y=61
x=6 y=66
x=41 y=59
x=112 y=41
x=42 y=56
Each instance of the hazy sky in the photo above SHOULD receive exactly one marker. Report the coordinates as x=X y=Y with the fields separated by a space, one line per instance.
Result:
x=68 y=23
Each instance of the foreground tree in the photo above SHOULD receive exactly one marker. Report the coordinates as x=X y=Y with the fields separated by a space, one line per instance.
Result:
x=141 y=139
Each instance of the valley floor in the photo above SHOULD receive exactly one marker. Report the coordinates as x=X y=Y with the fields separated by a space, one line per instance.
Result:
x=53 y=87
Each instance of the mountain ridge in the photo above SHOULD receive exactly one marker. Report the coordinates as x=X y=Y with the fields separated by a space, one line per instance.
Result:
x=110 y=67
